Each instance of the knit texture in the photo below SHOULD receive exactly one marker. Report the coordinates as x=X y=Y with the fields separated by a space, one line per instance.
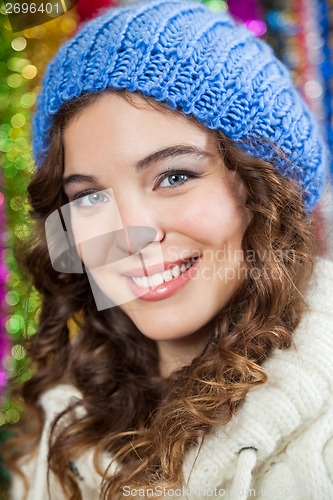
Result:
x=192 y=59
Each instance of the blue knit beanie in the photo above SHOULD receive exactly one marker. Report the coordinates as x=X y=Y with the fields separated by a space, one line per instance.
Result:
x=189 y=58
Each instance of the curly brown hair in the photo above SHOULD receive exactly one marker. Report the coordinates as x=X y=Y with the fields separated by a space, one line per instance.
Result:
x=156 y=420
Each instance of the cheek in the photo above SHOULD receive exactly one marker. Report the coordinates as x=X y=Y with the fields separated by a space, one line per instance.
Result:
x=95 y=240
x=214 y=220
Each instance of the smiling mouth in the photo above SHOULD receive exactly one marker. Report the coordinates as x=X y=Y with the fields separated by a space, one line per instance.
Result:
x=168 y=275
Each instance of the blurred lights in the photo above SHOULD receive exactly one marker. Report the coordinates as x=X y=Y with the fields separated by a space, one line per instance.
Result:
x=12 y=298
x=257 y=26
x=26 y=375
x=28 y=100
x=5 y=145
x=19 y=43
x=15 y=324
x=18 y=203
x=30 y=304
x=217 y=5
x=31 y=329
x=29 y=71
x=68 y=25
x=38 y=32
x=315 y=40
x=21 y=231
x=14 y=81
x=313 y=89
x=23 y=61
x=12 y=416
x=17 y=63
x=18 y=120
x=8 y=363
x=18 y=352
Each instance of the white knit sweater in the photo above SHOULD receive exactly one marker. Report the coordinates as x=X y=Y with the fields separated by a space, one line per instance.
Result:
x=279 y=444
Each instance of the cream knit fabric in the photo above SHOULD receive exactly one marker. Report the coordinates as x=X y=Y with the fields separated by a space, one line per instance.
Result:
x=279 y=444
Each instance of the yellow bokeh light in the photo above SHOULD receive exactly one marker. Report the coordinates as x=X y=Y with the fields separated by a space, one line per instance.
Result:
x=31 y=330
x=18 y=352
x=22 y=142
x=12 y=298
x=37 y=32
x=19 y=43
x=17 y=63
x=68 y=25
x=12 y=416
x=15 y=133
x=21 y=231
x=14 y=153
x=18 y=120
x=14 y=81
x=29 y=71
x=28 y=99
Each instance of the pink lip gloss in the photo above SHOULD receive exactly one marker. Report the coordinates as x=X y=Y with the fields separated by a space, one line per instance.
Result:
x=164 y=290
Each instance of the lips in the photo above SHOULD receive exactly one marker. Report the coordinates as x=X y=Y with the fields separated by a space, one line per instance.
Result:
x=172 y=272
x=149 y=270
x=161 y=285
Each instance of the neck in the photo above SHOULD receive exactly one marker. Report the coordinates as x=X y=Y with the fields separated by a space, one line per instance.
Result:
x=176 y=353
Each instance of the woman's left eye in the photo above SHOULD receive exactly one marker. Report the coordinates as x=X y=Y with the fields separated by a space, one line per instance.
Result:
x=173 y=180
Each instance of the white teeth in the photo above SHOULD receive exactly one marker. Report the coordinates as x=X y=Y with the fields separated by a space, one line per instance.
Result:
x=156 y=279
x=145 y=281
x=167 y=276
x=159 y=278
x=175 y=271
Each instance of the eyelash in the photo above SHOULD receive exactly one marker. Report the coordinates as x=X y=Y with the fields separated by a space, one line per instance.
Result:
x=159 y=180
x=82 y=194
x=170 y=173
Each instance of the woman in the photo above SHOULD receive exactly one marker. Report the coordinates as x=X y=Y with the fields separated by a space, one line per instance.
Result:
x=177 y=171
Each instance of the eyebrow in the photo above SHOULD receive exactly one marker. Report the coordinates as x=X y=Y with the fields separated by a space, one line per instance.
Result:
x=169 y=153
x=164 y=154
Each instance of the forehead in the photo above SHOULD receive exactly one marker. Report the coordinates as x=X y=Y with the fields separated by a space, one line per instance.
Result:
x=114 y=128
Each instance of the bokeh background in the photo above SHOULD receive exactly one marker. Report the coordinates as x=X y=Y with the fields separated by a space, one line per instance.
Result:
x=301 y=33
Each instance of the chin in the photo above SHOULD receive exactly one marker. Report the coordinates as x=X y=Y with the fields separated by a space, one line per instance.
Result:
x=159 y=334
x=166 y=329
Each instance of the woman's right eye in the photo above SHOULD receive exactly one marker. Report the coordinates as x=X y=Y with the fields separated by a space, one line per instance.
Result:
x=90 y=199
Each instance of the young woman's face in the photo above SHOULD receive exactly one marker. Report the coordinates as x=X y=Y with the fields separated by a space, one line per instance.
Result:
x=164 y=172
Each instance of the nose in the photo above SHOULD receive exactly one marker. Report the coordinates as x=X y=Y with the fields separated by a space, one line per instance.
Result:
x=133 y=239
x=142 y=226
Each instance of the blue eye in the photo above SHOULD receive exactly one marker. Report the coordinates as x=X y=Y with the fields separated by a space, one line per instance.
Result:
x=91 y=199
x=173 y=180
